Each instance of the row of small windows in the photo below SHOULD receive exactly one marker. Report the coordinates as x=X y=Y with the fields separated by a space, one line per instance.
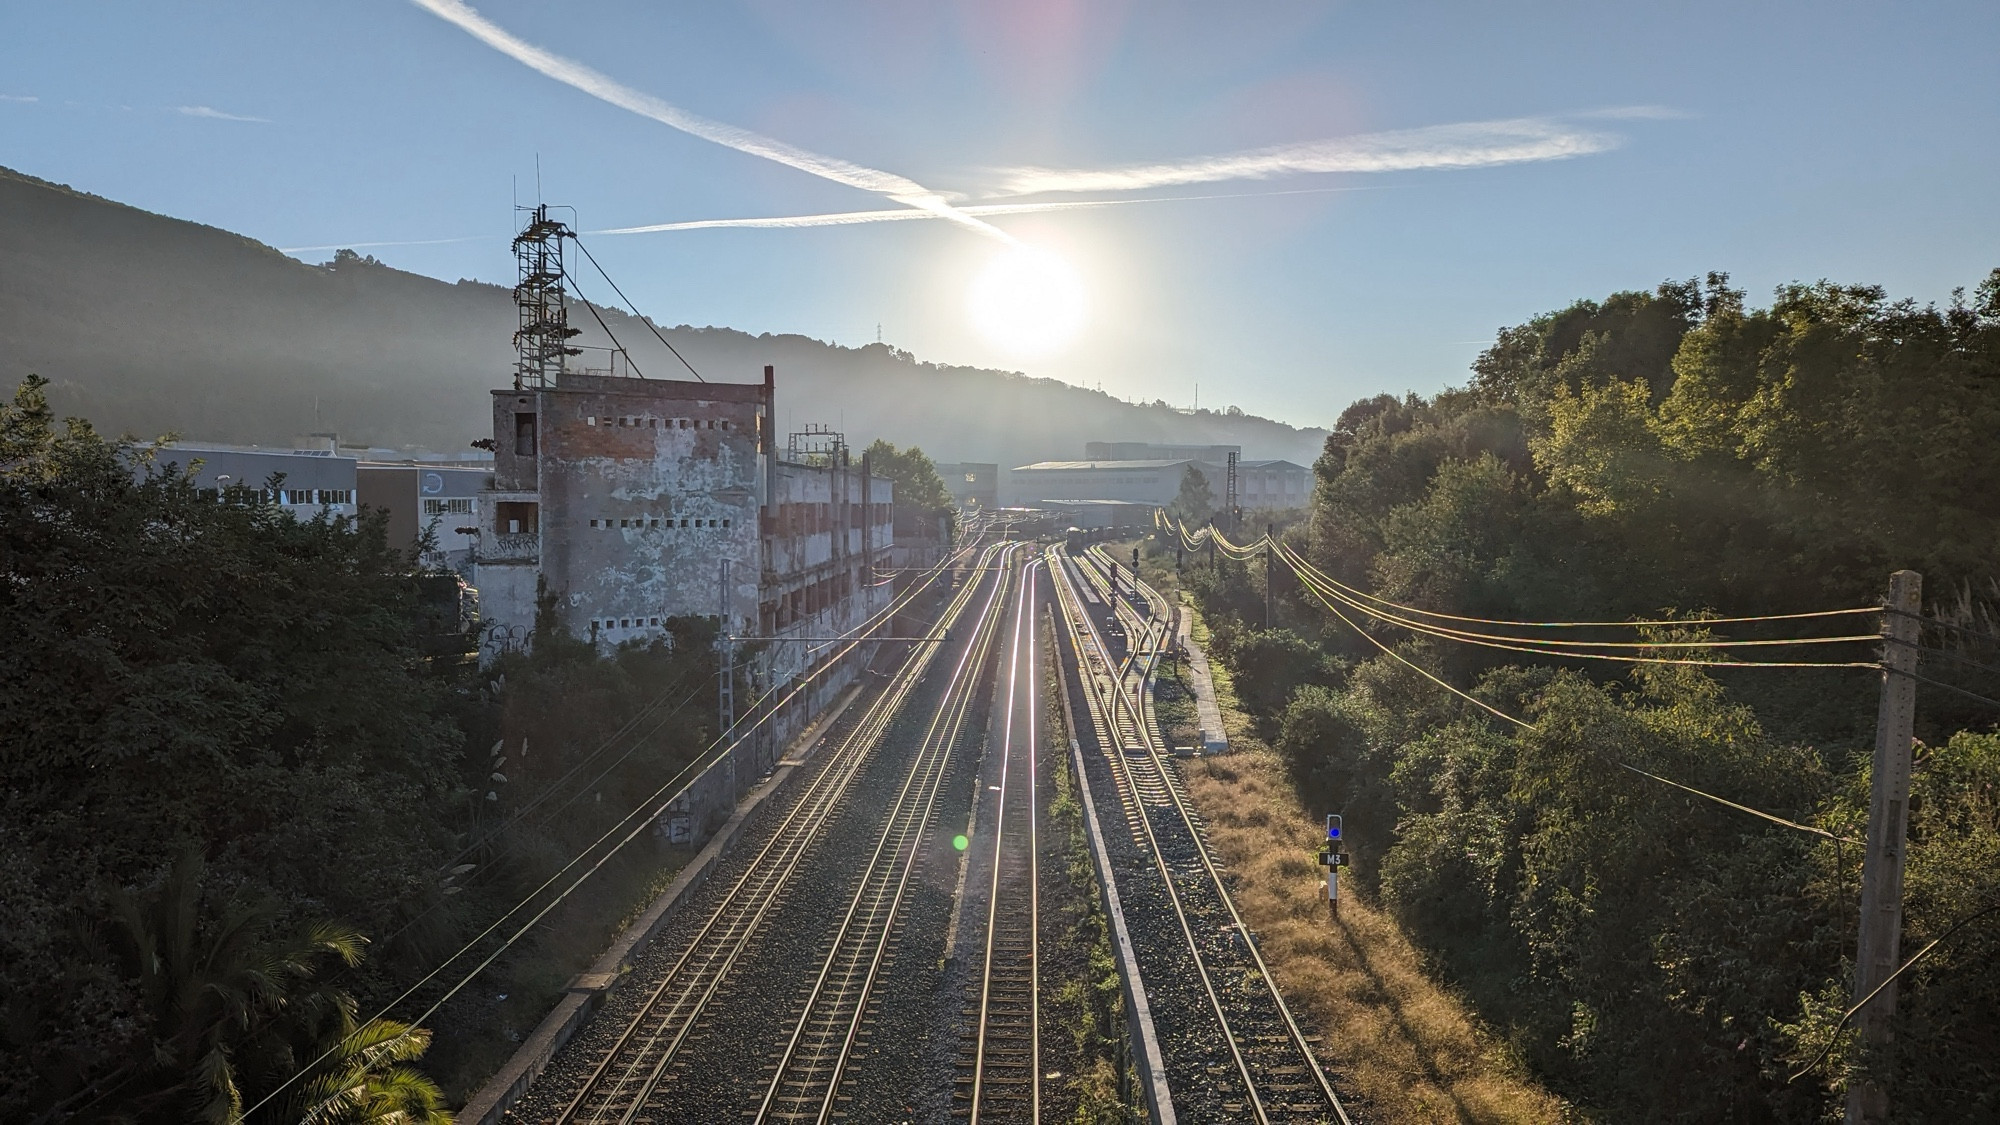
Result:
x=640 y=421
x=237 y=495
x=457 y=506
x=650 y=523
x=606 y=623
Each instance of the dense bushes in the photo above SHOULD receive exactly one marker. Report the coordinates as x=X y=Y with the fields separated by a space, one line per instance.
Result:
x=1656 y=955
x=228 y=768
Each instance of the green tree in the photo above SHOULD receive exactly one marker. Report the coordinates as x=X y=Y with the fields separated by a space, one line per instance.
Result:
x=1196 y=501
x=182 y=673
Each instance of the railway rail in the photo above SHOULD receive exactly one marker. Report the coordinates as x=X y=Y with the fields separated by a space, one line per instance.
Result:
x=998 y=1078
x=1234 y=1050
x=805 y=1083
x=642 y=1071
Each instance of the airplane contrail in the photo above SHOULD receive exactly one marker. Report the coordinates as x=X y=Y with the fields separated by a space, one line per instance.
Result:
x=848 y=218
x=1473 y=144
x=901 y=189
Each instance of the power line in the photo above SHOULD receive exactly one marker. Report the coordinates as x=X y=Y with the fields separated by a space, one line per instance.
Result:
x=1548 y=647
x=607 y=328
x=635 y=309
x=1834 y=1036
x=710 y=753
x=1965 y=630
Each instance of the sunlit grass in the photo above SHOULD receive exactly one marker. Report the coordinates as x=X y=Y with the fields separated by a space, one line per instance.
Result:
x=1407 y=1046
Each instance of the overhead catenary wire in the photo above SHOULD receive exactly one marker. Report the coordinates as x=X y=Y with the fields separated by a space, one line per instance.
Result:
x=1559 y=649
x=722 y=744
x=1525 y=725
x=635 y=310
x=1243 y=551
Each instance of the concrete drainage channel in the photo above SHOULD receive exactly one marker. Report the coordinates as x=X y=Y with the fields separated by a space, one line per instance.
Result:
x=586 y=992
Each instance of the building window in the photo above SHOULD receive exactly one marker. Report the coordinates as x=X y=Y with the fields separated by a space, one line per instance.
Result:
x=684 y=523
x=515 y=518
x=524 y=435
x=725 y=523
x=655 y=523
x=652 y=621
x=725 y=423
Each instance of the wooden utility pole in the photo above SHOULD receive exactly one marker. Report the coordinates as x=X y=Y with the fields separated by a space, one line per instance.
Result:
x=1879 y=947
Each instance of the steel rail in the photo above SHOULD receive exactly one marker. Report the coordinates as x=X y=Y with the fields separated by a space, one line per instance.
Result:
x=867 y=925
x=742 y=911
x=1106 y=704
x=1158 y=604
x=1024 y=638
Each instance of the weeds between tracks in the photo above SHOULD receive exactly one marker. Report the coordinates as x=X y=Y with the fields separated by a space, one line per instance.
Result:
x=1085 y=1012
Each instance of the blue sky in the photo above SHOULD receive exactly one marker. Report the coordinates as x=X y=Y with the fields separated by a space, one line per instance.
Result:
x=1774 y=141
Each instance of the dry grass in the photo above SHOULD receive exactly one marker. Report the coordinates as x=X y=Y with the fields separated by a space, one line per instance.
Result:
x=1407 y=1046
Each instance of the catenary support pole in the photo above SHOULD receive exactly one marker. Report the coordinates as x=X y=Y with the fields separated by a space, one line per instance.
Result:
x=1879 y=944
x=1270 y=575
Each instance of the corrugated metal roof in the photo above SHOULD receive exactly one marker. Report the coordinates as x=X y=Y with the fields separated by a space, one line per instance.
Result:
x=1103 y=466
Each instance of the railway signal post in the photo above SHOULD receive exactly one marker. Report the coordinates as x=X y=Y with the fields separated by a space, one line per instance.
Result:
x=1333 y=859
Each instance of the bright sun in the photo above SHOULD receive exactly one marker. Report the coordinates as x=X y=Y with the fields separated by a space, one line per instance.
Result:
x=1028 y=301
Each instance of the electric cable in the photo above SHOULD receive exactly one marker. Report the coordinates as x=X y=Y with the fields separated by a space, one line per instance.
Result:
x=635 y=309
x=713 y=753
x=607 y=328
x=1988 y=700
x=1557 y=624
x=1542 y=648
x=1427 y=674
x=1834 y=1037
x=1964 y=630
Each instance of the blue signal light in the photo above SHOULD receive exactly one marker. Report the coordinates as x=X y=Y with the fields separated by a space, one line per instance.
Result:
x=1333 y=826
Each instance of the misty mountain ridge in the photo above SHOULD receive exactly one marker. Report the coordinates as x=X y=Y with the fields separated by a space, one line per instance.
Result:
x=149 y=324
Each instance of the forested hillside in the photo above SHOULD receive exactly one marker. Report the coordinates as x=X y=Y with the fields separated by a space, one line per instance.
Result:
x=1653 y=954
x=144 y=323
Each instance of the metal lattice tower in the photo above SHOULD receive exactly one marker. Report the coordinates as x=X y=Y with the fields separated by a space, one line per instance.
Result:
x=819 y=444
x=542 y=340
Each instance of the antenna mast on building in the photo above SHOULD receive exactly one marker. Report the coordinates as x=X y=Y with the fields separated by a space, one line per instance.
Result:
x=541 y=342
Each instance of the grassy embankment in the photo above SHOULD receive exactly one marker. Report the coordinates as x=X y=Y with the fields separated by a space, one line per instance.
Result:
x=1409 y=1047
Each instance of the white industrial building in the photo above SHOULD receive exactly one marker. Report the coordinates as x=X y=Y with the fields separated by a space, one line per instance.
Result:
x=1259 y=484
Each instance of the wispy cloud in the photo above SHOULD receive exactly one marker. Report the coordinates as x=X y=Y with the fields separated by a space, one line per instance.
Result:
x=1475 y=144
x=22 y=99
x=901 y=189
x=849 y=218
x=217 y=115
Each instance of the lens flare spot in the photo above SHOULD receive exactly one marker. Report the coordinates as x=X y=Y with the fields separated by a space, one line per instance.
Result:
x=960 y=842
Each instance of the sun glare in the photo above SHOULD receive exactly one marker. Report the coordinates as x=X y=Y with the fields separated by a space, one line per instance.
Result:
x=1028 y=301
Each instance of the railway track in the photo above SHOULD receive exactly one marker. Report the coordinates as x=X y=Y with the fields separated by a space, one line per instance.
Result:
x=1233 y=1050
x=643 y=1072
x=998 y=1070
x=805 y=1082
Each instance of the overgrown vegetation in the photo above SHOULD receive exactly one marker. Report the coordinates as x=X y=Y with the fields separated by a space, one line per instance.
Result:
x=1653 y=955
x=229 y=765
x=1090 y=1007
